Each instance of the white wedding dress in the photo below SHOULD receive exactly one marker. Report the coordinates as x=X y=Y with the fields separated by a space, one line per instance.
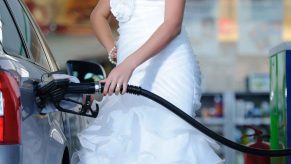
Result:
x=134 y=130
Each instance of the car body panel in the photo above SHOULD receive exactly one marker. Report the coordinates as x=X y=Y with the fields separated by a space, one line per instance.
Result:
x=44 y=138
x=10 y=154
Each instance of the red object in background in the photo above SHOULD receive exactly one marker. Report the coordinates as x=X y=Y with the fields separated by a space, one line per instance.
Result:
x=226 y=26
x=32 y=8
x=258 y=144
x=29 y=4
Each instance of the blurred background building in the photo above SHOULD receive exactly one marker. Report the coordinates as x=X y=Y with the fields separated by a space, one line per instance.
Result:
x=231 y=38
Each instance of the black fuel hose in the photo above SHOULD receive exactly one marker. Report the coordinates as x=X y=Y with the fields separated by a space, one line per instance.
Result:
x=89 y=88
x=260 y=152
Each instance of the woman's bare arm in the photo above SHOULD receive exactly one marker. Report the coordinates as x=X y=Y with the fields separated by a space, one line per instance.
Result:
x=167 y=31
x=99 y=20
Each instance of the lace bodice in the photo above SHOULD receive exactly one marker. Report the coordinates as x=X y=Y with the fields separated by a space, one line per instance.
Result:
x=123 y=9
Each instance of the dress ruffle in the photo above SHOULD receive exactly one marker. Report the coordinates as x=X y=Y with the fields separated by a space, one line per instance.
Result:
x=119 y=136
x=122 y=9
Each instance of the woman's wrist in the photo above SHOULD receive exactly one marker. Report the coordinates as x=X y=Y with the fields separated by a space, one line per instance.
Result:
x=111 y=51
x=111 y=54
x=132 y=62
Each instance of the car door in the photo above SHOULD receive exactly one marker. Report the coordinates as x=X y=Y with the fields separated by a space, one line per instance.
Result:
x=42 y=139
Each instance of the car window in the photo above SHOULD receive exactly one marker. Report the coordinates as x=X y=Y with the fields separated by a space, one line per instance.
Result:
x=11 y=41
x=30 y=36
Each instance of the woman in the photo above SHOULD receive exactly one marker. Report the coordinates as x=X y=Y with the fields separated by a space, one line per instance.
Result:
x=153 y=52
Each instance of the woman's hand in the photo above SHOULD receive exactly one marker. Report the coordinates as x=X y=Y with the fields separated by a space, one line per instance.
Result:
x=117 y=78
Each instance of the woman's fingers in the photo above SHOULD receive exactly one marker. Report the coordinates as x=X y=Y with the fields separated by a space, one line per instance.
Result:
x=112 y=87
x=117 y=80
x=106 y=86
x=118 y=88
x=124 y=88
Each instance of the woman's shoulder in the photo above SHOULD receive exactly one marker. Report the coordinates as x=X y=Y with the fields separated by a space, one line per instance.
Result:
x=122 y=9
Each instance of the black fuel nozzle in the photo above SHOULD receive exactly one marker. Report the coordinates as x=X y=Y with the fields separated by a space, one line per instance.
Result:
x=59 y=92
x=131 y=89
x=84 y=88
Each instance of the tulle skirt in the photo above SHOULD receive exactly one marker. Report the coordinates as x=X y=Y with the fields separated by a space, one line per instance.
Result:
x=134 y=130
